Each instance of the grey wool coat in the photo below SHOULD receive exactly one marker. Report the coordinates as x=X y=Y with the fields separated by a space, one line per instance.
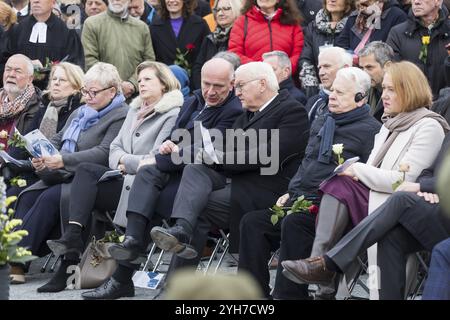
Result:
x=92 y=146
x=134 y=144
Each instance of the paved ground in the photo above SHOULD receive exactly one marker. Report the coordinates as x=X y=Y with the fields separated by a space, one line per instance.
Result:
x=36 y=279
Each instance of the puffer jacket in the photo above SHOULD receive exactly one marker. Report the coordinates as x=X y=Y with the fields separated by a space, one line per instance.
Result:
x=249 y=40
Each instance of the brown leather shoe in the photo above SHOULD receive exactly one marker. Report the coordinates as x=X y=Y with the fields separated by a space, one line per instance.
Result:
x=311 y=270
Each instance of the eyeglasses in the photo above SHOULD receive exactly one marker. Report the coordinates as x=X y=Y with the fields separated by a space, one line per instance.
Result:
x=240 y=86
x=92 y=93
x=224 y=9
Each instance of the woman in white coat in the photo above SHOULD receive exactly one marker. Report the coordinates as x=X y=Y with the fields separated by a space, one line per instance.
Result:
x=407 y=143
x=148 y=123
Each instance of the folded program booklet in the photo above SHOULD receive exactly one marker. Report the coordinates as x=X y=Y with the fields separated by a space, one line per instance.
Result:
x=109 y=175
x=38 y=145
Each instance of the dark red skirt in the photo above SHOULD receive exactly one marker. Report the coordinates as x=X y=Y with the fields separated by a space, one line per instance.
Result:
x=353 y=194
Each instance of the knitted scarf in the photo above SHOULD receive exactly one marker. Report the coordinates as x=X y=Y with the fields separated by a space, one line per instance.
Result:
x=49 y=123
x=10 y=109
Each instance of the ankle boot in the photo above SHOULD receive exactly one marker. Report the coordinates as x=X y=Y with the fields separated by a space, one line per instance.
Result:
x=59 y=280
x=71 y=241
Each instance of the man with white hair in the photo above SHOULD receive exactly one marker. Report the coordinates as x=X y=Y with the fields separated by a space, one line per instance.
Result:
x=331 y=59
x=282 y=66
x=19 y=99
x=423 y=40
x=115 y=37
x=259 y=236
x=197 y=209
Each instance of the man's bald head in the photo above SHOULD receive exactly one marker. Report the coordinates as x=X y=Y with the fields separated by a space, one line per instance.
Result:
x=217 y=81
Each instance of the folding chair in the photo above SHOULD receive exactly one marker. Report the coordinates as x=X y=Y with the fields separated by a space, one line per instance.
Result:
x=222 y=247
x=152 y=251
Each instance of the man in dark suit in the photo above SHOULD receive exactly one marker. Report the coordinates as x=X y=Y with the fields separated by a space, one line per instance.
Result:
x=409 y=221
x=216 y=107
x=205 y=198
x=282 y=66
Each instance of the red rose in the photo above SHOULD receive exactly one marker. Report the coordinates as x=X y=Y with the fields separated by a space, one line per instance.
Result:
x=313 y=209
x=190 y=46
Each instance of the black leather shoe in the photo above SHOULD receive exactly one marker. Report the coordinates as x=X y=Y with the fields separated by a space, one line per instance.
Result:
x=69 y=242
x=111 y=289
x=174 y=239
x=129 y=249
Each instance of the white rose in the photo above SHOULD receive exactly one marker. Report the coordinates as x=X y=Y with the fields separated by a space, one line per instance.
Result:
x=3 y=134
x=338 y=148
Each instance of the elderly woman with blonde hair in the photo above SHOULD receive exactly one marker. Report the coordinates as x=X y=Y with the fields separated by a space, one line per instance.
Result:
x=148 y=123
x=407 y=143
x=86 y=137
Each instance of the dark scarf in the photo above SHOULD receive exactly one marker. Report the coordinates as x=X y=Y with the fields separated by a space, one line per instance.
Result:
x=323 y=23
x=332 y=120
x=221 y=35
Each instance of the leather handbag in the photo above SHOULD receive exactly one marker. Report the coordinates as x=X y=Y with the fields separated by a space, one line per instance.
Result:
x=96 y=264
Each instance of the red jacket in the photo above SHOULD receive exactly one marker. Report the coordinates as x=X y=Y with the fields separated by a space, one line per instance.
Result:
x=263 y=36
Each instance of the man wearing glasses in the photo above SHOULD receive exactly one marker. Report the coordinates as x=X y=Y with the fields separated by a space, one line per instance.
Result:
x=205 y=198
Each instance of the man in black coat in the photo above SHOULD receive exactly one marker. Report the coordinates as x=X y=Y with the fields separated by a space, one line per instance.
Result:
x=410 y=220
x=259 y=236
x=281 y=65
x=427 y=22
x=214 y=106
x=372 y=59
x=275 y=124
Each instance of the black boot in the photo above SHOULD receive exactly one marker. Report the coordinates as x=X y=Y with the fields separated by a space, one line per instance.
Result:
x=59 y=280
x=70 y=241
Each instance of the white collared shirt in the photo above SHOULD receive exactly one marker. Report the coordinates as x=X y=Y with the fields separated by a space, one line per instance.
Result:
x=22 y=12
x=267 y=103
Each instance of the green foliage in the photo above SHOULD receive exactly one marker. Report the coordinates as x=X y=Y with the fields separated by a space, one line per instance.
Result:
x=300 y=205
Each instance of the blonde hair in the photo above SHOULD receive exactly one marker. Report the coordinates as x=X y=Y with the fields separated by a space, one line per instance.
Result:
x=73 y=72
x=7 y=15
x=410 y=85
x=162 y=72
x=235 y=7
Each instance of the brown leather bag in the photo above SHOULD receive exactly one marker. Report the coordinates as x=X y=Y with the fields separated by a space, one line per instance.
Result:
x=96 y=264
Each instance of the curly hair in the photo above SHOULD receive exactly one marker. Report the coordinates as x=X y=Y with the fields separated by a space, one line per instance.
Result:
x=290 y=14
x=187 y=10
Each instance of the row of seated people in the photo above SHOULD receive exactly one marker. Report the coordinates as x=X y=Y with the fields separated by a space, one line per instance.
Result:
x=205 y=194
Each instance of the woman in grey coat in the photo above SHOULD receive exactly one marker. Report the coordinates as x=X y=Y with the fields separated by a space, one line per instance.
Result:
x=148 y=123
x=86 y=137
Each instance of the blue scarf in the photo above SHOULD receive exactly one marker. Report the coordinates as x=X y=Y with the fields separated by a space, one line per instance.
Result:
x=86 y=118
x=332 y=120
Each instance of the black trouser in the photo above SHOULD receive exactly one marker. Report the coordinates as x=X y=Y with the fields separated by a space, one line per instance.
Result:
x=259 y=237
x=86 y=194
x=40 y=212
x=145 y=191
x=394 y=241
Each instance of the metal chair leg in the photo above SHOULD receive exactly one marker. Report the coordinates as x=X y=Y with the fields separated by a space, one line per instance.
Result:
x=47 y=261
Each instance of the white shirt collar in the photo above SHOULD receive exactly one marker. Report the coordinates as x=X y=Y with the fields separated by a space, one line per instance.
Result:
x=23 y=12
x=267 y=103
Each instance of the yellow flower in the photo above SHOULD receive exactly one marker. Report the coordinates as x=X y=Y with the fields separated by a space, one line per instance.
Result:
x=3 y=134
x=425 y=40
x=21 y=183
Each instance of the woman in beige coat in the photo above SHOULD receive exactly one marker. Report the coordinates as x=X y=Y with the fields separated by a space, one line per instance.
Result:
x=407 y=143
x=148 y=123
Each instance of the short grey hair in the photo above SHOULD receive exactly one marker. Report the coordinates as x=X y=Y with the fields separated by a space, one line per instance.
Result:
x=382 y=52
x=105 y=74
x=260 y=70
x=359 y=78
x=343 y=56
x=30 y=66
x=231 y=57
x=283 y=58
